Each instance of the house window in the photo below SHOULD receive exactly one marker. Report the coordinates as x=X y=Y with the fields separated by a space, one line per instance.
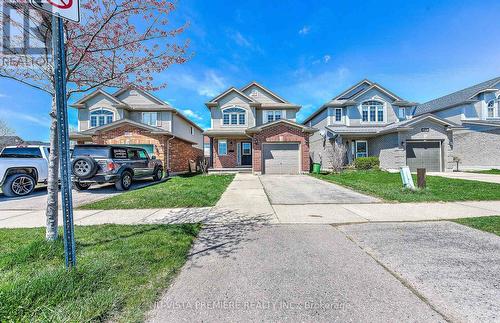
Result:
x=150 y=118
x=402 y=113
x=100 y=117
x=233 y=116
x=273 y=115
x=372 y=111
x=361 y=148
x=338 y=114
x=191 y=129
x=222 y=147
x=254 y=93
x=494 y=108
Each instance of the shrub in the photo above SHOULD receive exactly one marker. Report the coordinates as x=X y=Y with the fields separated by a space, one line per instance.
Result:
x=367 y=162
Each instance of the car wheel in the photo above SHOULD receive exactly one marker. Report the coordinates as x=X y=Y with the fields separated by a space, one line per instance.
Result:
x=18 y=185
x=84 y=167
x=125 y=181
x=158 y=175
x=81 y=186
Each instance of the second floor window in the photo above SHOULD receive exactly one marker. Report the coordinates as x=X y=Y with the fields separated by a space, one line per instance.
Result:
x=272 y=115
x=233 y=116
x=100 y=117
x=402 y=113
x=338 y=114
x=372 y=111
x=150 y=118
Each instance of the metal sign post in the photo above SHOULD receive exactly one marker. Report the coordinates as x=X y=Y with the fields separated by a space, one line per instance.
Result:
x=63 y=136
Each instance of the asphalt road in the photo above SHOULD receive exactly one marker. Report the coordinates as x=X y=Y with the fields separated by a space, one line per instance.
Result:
x=277 y=273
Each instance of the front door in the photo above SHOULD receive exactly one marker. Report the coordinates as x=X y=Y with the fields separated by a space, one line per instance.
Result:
x=246 y=153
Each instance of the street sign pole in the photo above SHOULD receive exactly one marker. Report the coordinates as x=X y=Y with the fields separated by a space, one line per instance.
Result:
x=63 y=137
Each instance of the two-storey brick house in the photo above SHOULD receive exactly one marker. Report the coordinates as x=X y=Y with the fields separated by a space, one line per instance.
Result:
x=134 y=117
x=256 y=129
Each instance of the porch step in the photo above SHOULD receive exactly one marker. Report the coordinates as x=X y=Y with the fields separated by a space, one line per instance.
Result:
x=232 y=170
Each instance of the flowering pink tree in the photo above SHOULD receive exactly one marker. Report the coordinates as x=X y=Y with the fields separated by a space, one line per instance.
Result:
x=116 y=43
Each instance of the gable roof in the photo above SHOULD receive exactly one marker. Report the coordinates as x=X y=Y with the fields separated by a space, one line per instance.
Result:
x=286 y=121
x=120 y=122
x=459 y=97
x=347 y=97
x=394 y=127
x=231 y=89
x=79 y=103
x=144 y=93
x=276 y=96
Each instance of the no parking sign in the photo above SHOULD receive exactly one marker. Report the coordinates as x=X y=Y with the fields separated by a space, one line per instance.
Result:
x=66 y=9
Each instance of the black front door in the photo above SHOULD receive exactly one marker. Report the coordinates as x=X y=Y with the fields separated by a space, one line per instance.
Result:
x=246 y=153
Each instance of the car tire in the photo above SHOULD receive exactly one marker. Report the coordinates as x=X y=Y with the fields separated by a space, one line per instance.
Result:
x=158 y=174
x=124 y=182
x=84 y=167
x=18 y=185
x=81 y=186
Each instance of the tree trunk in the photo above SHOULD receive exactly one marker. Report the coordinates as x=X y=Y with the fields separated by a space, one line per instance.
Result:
x=53 y=178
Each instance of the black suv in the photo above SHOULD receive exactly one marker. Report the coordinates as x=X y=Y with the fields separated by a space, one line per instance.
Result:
x=112 y=164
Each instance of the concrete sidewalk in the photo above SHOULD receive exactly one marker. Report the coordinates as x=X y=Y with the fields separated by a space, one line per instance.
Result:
x=489 y=178
x=245 y=200
x=235 y=209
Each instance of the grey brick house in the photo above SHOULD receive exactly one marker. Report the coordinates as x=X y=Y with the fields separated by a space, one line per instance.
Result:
x=370 y=120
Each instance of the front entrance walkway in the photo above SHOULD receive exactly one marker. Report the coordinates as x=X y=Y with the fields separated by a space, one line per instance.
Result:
x=490 y=178
x=303 y=189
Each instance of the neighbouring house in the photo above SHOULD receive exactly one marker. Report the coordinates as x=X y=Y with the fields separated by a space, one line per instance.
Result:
x=134 y=117
x=253 y=128
x=477 y=110
x=369 y=120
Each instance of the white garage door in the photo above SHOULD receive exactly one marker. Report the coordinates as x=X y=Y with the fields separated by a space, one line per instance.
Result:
x=281 y=158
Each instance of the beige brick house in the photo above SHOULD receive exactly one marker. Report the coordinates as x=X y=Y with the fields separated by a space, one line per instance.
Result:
x=134 y=117
x=255 y=129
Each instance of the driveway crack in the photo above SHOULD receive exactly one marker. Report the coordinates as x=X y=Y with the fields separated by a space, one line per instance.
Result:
x=403 y=281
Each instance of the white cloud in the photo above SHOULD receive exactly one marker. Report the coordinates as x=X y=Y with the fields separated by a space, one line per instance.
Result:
x=43 y=121
x=191 y=114
x=327 y=58
x=207 y=84
x=316 y=88
x=241 y=40
x=3 y=95
x=304 y=30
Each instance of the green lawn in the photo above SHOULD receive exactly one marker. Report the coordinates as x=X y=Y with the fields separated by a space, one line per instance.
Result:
x=178 y=191
x=493 y=171
x=121 y=271
x=388 y=186
x=485 y=223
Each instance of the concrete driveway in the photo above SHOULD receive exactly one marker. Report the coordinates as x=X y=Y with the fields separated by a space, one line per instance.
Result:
x=303 y=189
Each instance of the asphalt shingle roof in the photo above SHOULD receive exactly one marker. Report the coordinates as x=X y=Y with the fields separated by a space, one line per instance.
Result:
x=454 y=98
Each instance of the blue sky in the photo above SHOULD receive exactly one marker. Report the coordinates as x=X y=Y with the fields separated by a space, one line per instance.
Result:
x=309 y=51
